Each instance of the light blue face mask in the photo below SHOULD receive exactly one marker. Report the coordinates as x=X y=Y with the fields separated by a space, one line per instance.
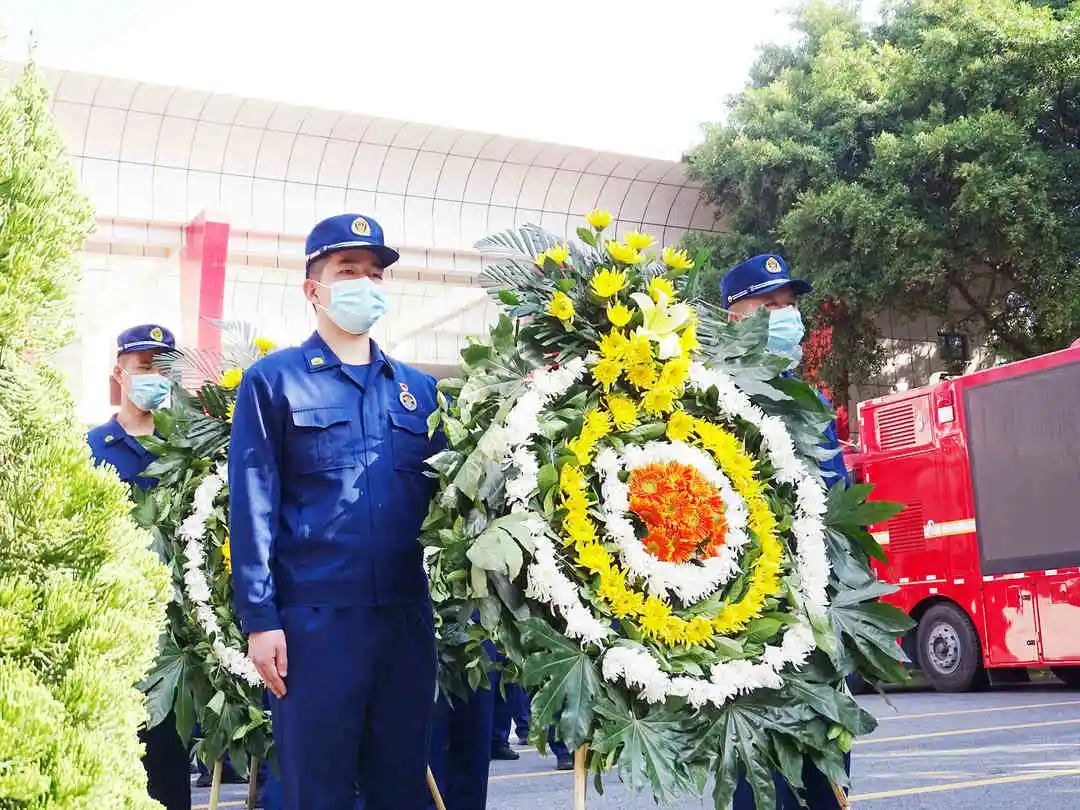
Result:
x=786 y=332
x=149 y=391
x=356 y=304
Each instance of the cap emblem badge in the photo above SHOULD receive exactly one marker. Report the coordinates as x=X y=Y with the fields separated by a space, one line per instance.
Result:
x=361 y=227
x=157 y=334
x=772 y=265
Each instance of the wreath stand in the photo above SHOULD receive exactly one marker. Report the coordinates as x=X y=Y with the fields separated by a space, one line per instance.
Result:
x=580 y=776
x=253 y=776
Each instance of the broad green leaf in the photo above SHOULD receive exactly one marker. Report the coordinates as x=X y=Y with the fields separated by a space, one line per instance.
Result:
x=650 y=744
x=587 y=236
x=566 y=681
x=509 y=298
x=468 y=477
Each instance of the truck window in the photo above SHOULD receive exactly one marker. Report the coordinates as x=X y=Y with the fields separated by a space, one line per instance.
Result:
x=1024 y=446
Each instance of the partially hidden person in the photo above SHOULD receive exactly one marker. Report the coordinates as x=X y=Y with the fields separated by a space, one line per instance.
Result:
x=144 y=389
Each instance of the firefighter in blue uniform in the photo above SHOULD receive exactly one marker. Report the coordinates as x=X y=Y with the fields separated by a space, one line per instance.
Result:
x=327 y=495
x=764 y=281
x=143 y=390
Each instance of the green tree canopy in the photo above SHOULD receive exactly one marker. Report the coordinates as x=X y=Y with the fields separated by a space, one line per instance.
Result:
x=929 y=165
x=81 y=595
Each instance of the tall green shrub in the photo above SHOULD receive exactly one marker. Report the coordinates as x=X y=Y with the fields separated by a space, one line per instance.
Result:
x=81 y=595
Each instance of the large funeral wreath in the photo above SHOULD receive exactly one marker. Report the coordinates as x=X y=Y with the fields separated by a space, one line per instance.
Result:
x=631 y=502
x=203 y=673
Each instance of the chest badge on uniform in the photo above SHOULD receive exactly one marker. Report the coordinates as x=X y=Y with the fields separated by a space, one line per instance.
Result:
x=408 y=401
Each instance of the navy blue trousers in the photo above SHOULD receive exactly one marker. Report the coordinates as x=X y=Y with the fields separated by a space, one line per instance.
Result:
x=515 y=708
x=460 y=748
x=361 y=688
x=819 y=793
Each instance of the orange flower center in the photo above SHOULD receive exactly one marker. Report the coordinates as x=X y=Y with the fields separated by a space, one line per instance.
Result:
x=682 y=512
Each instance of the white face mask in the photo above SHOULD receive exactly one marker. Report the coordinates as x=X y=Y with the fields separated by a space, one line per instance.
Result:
x=356 y=304
x=786 y=332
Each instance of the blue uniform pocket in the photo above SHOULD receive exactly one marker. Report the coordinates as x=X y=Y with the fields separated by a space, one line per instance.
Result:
x=409 y=438
x=322 y=439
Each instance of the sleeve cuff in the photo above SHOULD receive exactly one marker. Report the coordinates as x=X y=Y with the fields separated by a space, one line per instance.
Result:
x=260 y=621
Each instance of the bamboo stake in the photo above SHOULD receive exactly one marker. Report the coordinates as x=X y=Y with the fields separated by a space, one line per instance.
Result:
x=580 y=777
x=215 y=785
x=841 y=796
x=434 y=788
x=253 y=783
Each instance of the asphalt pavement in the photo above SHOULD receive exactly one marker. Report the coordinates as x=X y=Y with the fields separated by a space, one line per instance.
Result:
x=1013 y=746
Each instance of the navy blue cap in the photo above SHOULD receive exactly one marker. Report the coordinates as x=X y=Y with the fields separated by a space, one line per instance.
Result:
x=346 y=231
x=757 y=276
x=144 y=337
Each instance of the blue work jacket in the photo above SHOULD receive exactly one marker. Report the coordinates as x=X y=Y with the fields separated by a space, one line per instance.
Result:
x=111 y=444
x=327 y=490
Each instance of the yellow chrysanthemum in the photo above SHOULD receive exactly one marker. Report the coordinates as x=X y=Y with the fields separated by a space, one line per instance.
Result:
x=623 y=411
x=607 y=282
x=641 y=376
x=658 y=400
x=698 y=630
x=598 y=218
x=558 y=254
x=638 y=241
x=688 y=339
x=640 y=350
x=619 y=315
x=264 y=346
x=593 y=558
x=623 y=253
x=654 y=617
x=674 y=372
x=561 y=307
x=677 y=259
x=660 y=285
x=679 y=426
x=607 y=371
x=579 y=529
x=226 y=554
x=231 y=378
x=571 y=479
x=597 y=425
x=614 y=345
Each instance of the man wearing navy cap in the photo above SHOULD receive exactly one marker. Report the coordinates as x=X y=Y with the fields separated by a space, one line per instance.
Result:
x=327 y=495
x=143 y=390
x=764 y=281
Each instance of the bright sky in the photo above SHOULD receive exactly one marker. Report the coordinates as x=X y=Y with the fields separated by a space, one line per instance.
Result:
x=636 y=76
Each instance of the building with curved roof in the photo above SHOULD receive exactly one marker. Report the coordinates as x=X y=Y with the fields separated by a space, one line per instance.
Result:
x=153 y=158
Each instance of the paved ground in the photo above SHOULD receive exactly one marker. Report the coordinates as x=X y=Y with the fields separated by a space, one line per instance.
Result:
x=1015 y=746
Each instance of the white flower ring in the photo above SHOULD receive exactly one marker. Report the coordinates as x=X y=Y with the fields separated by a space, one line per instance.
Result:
x=197 y=589
x=627 y=660
x=689 y=581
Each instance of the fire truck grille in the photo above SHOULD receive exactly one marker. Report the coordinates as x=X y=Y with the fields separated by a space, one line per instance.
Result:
x=906 y=529
x=896 y=426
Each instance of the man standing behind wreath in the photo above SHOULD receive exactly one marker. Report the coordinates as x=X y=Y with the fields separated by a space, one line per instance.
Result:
x=143 y=389
x=764 y=281
x=327 y=495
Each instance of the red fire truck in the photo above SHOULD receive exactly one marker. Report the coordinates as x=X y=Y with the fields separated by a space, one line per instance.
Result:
x=986 y=554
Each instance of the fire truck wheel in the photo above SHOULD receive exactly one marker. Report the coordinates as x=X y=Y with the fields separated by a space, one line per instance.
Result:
x=1070 y=675
x=949 y=650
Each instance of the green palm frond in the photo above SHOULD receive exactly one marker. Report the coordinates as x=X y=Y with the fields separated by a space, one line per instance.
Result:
x=517 y=243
